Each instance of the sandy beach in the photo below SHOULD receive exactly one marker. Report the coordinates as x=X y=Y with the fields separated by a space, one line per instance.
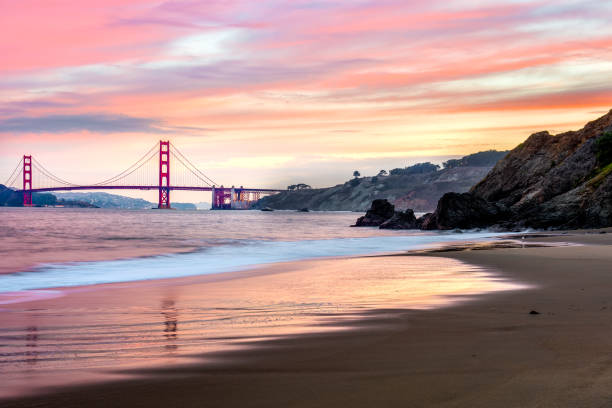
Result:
x=486 y=352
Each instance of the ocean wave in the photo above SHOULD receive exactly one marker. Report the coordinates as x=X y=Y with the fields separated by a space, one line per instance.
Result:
x=218 y=259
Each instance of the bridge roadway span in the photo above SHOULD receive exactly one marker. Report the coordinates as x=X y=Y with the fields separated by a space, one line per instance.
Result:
x=223 y=198
x=254 y=190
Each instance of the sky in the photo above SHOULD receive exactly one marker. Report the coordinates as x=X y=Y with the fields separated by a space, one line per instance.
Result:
x=270 y=93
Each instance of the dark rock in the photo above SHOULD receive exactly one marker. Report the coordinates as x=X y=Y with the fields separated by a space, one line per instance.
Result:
x=401 y=220
x=464 y=211
x=533 y=312
x=303 y=210
x=267 y=209
x=380 y=211
x=424 y=221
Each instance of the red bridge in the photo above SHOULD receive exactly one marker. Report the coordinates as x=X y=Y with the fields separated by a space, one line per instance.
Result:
x=151 y=172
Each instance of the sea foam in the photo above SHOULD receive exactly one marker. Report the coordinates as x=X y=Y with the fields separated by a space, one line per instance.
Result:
x=239 y=255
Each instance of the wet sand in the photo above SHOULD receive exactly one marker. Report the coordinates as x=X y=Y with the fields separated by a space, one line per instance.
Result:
x=488 y=352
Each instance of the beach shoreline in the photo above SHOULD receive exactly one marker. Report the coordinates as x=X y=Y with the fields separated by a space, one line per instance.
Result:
x=489 y=351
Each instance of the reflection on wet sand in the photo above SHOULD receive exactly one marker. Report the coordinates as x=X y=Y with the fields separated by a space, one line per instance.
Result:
x=107 y=328
x=170 y=324
x=31 y=342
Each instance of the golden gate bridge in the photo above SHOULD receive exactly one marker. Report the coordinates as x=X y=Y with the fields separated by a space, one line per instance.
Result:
x=153 y=171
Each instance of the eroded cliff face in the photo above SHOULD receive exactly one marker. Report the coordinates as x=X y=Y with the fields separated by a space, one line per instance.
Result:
x=546 y=182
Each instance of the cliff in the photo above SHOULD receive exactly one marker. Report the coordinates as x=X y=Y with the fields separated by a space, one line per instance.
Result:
x=549 y=181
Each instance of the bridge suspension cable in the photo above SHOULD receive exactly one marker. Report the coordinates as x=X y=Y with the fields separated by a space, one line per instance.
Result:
x=137 y=165
x=13 y=177
x=176 y=153
x=37 y=166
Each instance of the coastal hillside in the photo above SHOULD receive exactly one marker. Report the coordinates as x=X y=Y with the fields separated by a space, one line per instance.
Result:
x=107 y=200
x=10 y=198
x=549 y=181
x=418 y=187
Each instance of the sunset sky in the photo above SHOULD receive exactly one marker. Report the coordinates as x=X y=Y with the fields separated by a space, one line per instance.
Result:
x=270 y=93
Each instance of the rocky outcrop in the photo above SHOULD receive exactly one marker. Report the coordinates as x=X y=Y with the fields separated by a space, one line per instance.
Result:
x=465 y=211
x=380 y=211
x=401 y=220
x=382 y=214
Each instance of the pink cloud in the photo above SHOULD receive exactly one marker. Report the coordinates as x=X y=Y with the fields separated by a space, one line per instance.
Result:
x=38 y=34
x=271 y=67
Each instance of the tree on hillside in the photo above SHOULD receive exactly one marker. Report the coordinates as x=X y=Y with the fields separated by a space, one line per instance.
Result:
x=419 y=168
x=382 y=173
x=300 y=186
x=356 y=174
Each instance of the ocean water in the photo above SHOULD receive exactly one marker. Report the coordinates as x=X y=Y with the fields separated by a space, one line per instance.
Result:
x=50 y=248
x=88 y=294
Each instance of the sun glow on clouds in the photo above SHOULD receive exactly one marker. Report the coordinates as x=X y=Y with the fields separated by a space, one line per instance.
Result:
x=299 y=86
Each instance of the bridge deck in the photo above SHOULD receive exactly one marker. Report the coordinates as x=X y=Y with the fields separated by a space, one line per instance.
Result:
x=183 y=188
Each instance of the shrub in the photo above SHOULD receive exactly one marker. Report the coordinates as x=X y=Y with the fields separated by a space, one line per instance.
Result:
x=603 y=149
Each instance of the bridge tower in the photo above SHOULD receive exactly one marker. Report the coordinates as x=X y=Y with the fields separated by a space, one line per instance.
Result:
x=164 y=174
x=27 y=181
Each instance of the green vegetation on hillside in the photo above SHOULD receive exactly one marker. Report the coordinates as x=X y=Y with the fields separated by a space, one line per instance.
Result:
x=419 y=168
x=300 y=186
x=599 y=177
x=486 y=158
x=603 y=149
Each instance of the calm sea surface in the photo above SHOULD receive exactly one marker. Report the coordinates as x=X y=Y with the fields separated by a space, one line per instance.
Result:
x=85 y=293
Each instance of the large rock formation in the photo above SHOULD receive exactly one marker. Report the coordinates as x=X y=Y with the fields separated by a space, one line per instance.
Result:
x=561 y=181
x=464 y=211
x=401 y=220
x=380 y=211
